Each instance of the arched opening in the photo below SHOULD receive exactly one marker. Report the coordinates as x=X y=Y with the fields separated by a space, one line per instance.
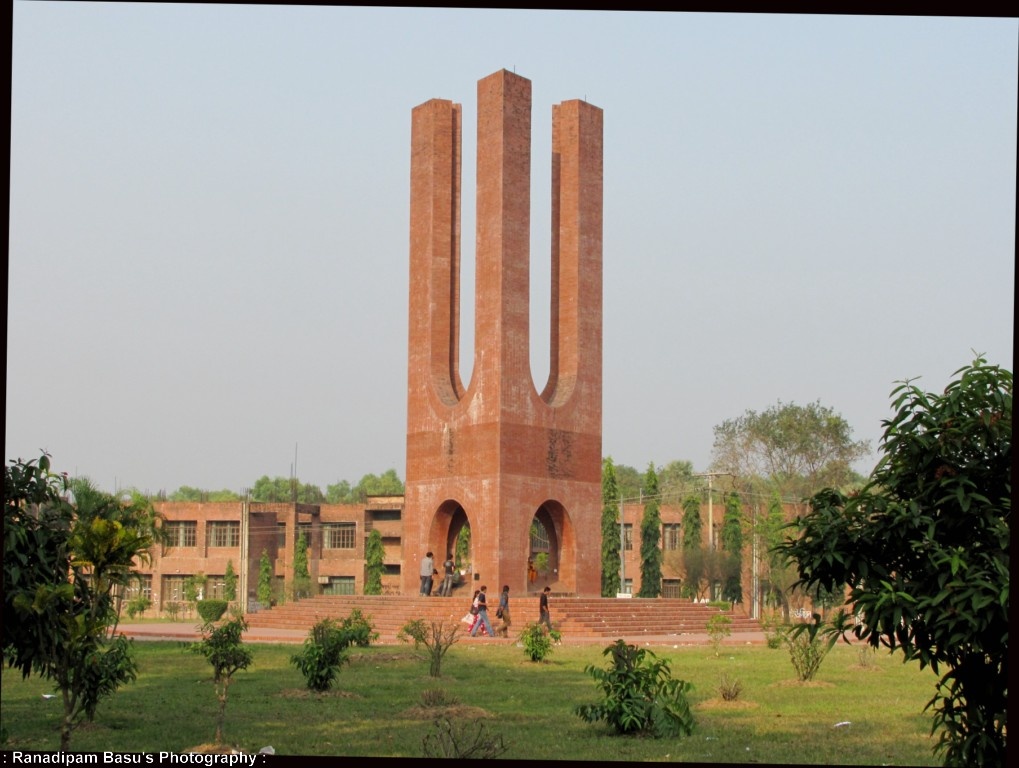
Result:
x=451 y=534
x=543 y=557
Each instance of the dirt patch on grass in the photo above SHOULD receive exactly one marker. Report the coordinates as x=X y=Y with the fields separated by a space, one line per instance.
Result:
x=304 y=693
x=804 y=684
x=214 y=749
x=455 y=712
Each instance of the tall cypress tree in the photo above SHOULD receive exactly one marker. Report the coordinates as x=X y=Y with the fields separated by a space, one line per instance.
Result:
x=374 y=566
x=265 y=580
x=650 y=539
x=302 y=577
x=732 y=546
x=610 y=543
x=693 y=552
x=230 y=582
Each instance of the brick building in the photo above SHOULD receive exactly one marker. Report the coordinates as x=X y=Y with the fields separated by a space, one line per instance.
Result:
x=204 y=537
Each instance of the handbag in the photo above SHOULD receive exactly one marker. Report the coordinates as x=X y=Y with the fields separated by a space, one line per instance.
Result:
x=498 y=614
x=474 y=610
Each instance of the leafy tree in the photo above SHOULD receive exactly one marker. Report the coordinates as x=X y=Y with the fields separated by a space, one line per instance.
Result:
x=650 y=539
x=322 y=655
x=693 y=550
x=675 y=481
x=302 y=576
x=800 y=449
x=386 y=484
x=732 y=547
x=187 y=493
x=640 y=695
x=924 y=551
x=610 y=543
x=339 y=493
x=629 y=482
x=65 y=601
x=225 y=651
x=230 y=582
x=36 y=526
x=265 y=580
x=374 y=567
x=284 y=489
x=463 y=548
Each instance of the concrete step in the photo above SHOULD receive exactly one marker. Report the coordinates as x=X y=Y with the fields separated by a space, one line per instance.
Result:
x=577 y=617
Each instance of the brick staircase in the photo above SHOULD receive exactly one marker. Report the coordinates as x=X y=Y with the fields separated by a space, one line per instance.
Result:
x=578 y=618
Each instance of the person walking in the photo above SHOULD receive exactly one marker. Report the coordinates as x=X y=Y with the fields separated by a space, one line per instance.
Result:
x=482 y=614
x=448 y=570
x=471 y=619
x=427 y=568
x=503 y=612
x=546 y=617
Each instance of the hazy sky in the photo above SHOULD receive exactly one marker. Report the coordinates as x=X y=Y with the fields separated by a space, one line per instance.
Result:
x=208 y=266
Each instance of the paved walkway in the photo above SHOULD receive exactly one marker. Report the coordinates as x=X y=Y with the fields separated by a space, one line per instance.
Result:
x=185 y=631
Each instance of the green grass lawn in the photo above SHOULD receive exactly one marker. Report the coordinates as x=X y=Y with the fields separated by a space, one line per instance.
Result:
x=376 y=708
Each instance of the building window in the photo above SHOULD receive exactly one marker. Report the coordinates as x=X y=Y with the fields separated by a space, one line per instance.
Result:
x=139 y=586
x=173 y=589
x=670 y=536
x=215 y=588
x=339 y=585
x=628 y=586
x=281 y=536
x=386 y=515
x=181 y=533
x=339 y=536
x=224 y=534
x=391 y=570
x=539 y=537
x=671 y=588
x=628 y=536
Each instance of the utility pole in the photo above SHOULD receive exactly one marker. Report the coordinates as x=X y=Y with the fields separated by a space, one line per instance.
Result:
x=711 y=509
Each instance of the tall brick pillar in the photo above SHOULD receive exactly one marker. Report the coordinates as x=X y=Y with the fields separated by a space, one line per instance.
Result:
x=496 y=455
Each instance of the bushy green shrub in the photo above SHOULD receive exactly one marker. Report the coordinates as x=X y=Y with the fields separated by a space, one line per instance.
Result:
x=719 y=627
x=640 y=695
x=537 y=641
x=137 y=606
x=774 y=631
x=322 y=655
x=807 y=650
x=359 y=629
x=211 y=610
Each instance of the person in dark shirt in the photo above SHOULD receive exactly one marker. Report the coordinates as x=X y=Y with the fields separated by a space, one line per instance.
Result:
x=503 y=612
x=546 y=617
x=448 y=571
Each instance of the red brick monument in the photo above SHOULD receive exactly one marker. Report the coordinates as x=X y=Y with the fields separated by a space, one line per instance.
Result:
x=497 y=455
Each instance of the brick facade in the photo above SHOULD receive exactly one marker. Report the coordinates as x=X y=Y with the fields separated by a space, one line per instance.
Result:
x=497 y=455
